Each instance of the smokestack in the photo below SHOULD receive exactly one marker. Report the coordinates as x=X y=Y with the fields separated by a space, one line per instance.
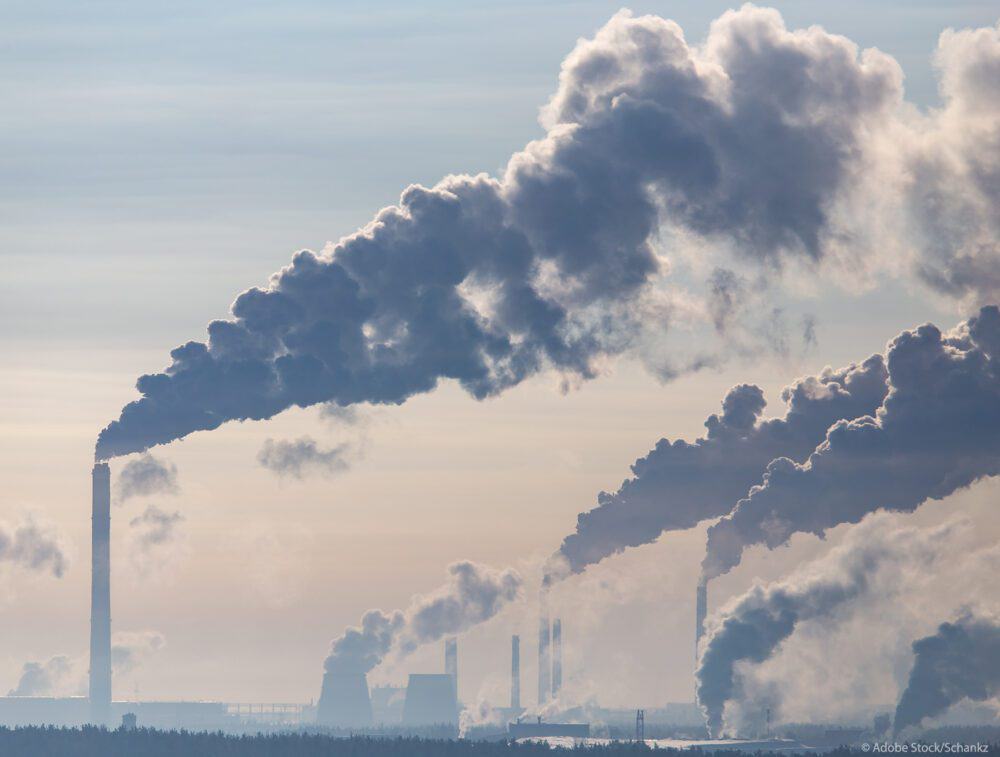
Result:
x=544 y=663
x=556 y=657
x=701 y=610
x=515 y=672
x=100 y=598
x=451 y=660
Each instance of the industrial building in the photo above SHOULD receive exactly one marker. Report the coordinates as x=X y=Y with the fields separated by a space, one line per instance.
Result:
x=430 y=700
x=344 y=701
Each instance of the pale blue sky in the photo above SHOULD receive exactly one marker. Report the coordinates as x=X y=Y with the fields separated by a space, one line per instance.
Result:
x=156 y=159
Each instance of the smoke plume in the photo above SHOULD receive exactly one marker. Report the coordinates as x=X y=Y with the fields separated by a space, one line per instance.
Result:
x=751 y=628
x=936 y=432
x=144 y=476
x=302 y=456
x=154 y=527
x=63 y=675
x=472 y=594
x=129 y=649
x=960 y=661
x=760 y=143
x=42 y=678
x=678 y=484
x=32 y=546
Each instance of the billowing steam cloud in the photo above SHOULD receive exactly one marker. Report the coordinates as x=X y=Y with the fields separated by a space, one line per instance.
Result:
x=937 y=431
x=145 y=476
x=32 y=546
x=678 y=484
x=42 y=678
x=961 y=661
x=63 y=674
x=472 y=594
x=129 y=649
x=751 y=628
x=302 y=456
x=757 y=141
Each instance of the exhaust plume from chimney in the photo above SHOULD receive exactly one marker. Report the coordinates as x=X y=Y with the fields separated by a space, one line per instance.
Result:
x=100 y=597
x=544 y=661
x=451 y=660
x=556 y=657
x=701 y=611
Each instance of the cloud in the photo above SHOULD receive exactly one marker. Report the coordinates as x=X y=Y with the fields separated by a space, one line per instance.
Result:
x=873 y=559
x=144 y=476
x=65 y=675
x=763 y=144
x=43 y=678
x=960 y=661
x=472 y=594
x=33 y=547
x=155 y=527
x=935 y=433
x=130 y=649
x=679 y=484
x=302 y=456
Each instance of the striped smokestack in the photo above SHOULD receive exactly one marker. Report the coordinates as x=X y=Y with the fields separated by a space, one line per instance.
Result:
x=100 y=598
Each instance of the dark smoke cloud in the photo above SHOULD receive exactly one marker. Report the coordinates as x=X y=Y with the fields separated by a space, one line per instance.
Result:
x=33 y=547
x=751 y=628
x=937 y=431
x=302 y=456
x=472 y=594
x=42 y=678
x=960 y=661
x=679 y=484
x=144 y=476
x=154 y=527
x=747 y=141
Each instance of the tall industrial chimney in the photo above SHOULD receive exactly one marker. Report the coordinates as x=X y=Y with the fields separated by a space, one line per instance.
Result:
x=556 y=657
x=701 y=610
x=100 y=598
x=515 y=672
x=544 y=663
x=451 y=660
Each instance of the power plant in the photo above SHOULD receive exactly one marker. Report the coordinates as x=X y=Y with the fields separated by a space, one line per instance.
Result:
x=346 y=702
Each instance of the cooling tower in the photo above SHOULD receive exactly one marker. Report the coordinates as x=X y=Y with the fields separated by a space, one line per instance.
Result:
x=515 y=672
x=100 y=597
x=701 y=610
x=451 y=661
x=344 y=701
x=556 y=657
x=544 y=663
x=430 y=700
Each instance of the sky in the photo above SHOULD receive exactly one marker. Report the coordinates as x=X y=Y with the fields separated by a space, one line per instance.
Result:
x=159 y=159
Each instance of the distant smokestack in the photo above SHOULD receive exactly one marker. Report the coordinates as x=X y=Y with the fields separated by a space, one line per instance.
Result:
x=701 y=611
x=556 y=657
x=100 y=598
x=544 y=663
x=515 y=672
x=451 y=660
